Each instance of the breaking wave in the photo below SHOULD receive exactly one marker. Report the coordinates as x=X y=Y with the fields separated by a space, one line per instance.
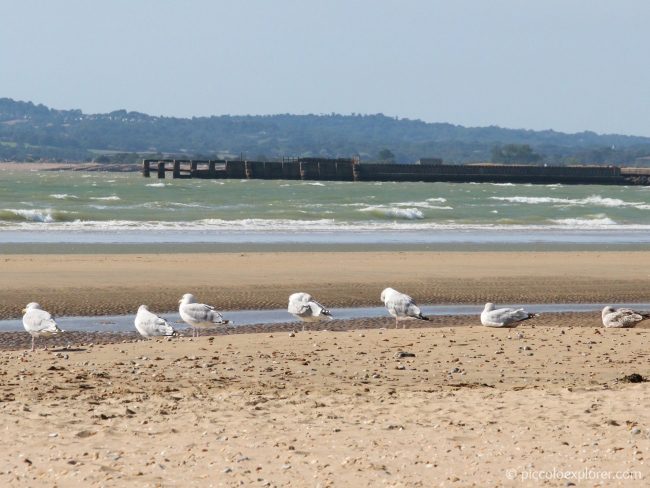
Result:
x=34 y=215
x=209 y=226
x=111 y=198
x=594 y=200
x=598 y=222
x=394 y=212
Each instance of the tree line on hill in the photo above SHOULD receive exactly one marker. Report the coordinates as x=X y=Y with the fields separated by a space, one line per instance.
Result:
x=31 y=132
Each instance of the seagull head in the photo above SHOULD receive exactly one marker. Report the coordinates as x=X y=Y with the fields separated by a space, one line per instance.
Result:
x=488 y=307
x=607 y=310
x=385 y=293
x=31 y=306
x=187 y=298
x=143 y=307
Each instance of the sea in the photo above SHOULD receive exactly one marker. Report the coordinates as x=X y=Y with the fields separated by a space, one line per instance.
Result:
x=90 y=207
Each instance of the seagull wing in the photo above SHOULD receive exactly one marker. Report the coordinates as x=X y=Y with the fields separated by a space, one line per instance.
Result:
x=624 y=317
x=39 y=321
x=317 y=309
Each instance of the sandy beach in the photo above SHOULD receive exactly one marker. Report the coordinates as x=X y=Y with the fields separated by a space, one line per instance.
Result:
x=89 y=284
x=419 y=407
x=444 y=403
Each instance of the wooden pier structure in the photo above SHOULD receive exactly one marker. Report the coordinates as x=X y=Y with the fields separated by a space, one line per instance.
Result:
x=353 y=170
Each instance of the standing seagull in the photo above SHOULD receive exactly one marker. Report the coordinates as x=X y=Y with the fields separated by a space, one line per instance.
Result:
x=622 y=317
x=401 y=306
x=199 y=314
x=38 y=322
x=305 y=308
x=504 y=317
x=149 y=324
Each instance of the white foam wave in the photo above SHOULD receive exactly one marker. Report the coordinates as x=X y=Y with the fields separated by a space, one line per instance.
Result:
x=425 y=204
x=46 y=215
x=316 y=184
x=597 y=223
x=63 y=196
x=321 y=225
x=594 y=200
x=156 y=185
x=393 y=212
x=111 y=198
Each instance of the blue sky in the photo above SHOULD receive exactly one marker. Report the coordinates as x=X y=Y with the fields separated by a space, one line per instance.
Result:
x=566 y=65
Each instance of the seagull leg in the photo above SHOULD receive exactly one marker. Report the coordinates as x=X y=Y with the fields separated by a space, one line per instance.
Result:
x=33 y=343
x=396 y=322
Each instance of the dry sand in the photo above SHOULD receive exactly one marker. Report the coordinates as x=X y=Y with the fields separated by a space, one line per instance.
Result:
x=473 y=407
x=330 y=409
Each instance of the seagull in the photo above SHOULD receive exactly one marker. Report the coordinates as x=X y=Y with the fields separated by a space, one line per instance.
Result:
x=38 y=322
x=198 y=315
x=305 y=308
x=622 y=317
x=401 y=306
x=149 y=324
x=504 y=317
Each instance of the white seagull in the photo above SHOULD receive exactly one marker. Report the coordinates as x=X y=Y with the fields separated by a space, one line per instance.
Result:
x=401 y=306
x=504 y=317
x=38 y=322
x=622 y=317
x=305 y=308
x=199 y=315
x=150 y=325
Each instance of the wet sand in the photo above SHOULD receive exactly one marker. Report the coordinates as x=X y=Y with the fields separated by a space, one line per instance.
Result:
x=70 y=284
x=22 y=341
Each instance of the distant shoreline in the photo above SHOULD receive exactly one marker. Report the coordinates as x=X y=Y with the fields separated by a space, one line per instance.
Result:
x=69 y=166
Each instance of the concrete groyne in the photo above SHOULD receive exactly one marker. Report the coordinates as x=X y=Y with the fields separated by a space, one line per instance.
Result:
x=352 y=170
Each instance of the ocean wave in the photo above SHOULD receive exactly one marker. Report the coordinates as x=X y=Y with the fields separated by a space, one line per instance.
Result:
x=156 y=185
x=209 y=226
x=593 y=200
x=585 y=223
x=393 y=212
x=46 y=215
x=63 y=196
x=315 y=184
x=111 y=198
x=425 y=204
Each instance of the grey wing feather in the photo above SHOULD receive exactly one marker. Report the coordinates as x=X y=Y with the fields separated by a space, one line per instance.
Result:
x=510 y=316
x=317 y=308
x=507 y=316
x=403 y=305
x=203 y=313
x=624 y=317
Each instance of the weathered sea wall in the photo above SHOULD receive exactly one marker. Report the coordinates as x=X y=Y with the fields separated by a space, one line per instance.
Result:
x=352 y=170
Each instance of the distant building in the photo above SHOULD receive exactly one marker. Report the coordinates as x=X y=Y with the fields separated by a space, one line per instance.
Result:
x=430 y=161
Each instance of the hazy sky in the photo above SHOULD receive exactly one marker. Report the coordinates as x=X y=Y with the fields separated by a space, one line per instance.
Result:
x=568 y=65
